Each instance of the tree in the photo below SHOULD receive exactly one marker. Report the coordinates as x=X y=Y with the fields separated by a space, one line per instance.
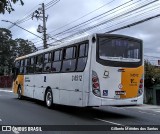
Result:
x=152 y=74
x=5 y=36
x=6 y=5
x=24 y=47
x=10 y=49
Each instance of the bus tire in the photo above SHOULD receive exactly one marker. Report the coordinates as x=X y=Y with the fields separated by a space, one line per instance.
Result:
x=49 y=98
x=19 y=92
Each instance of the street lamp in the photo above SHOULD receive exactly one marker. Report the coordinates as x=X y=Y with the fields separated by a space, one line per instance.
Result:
x=22 y=28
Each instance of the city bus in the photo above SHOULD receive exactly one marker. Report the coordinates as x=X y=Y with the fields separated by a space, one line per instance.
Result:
x=94 y=70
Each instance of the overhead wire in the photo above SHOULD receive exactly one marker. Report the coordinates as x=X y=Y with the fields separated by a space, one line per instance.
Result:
x=50 y=4
x=130 y=11
x=83 y=23
x=102 y=23
x=139 y=13
x=83 y=16
x=27 y=17
x=113 y=19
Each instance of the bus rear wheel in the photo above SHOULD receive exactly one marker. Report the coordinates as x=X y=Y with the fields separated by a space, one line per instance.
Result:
x=19 y=92
x=49 y=98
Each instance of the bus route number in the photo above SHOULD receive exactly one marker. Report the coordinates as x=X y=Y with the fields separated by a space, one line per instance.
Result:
x=76 y=77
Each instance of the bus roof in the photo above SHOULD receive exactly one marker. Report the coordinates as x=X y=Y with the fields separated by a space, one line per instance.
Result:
x=69 y=42
x=58 y=45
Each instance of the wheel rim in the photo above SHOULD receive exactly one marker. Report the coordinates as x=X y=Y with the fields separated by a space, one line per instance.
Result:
x=49 y=98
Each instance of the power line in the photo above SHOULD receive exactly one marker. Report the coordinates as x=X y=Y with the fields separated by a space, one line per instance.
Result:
x=92 y=18
x=82 y=16
x=135 y=15
x=135 y=23
x=50 y=4
x=25 y=17
x=109 y=20
x=130 y=25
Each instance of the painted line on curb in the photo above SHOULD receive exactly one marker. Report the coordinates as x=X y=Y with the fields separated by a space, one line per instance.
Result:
x=108 y=122
x=9 y=91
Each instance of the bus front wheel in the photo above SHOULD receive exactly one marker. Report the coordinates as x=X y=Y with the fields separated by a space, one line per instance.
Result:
x=49 y=98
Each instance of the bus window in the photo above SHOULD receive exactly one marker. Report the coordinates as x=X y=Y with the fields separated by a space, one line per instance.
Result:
x=69 y=60
x=82 y=50
x=57 y=55
x=16 y=69
x=39 y=63
x=32 y=60
x=21 y=71
x=25 y=66
x=17 y=64
x=31 y=65
x=56 y=65
x=70 y=53
x=47 y=62
x=82 y=57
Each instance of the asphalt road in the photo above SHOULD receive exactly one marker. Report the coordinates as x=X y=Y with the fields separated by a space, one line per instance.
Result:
x=31 y=112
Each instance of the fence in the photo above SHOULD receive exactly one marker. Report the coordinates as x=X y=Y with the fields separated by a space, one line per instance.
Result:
x=5 y=81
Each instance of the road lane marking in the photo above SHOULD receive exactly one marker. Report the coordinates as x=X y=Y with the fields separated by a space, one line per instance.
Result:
x=146 y=113
x=157 y=111
x=108 y=122
x=119 y=108
x=0 y=119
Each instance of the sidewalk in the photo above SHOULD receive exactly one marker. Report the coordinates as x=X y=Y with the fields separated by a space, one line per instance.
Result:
x=5 y=89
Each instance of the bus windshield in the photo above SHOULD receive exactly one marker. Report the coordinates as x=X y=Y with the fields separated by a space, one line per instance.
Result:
x=119 y=50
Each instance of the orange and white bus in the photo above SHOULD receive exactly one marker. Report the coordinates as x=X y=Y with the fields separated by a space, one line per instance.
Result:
x=95 y=70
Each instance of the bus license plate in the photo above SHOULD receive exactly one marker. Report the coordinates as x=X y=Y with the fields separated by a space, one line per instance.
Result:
x=120 y=92
x=117 y=96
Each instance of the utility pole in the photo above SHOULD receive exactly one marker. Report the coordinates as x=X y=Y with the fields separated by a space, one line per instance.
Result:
x=40 y=14
x=44 y=27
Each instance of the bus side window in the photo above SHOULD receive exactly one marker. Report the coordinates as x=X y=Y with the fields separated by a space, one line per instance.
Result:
x=21 y=71
x=39 y=63
x=17 y=66
x=25 y=66
x=47 y=62
x=56 y=65
x=31 y=65
x=69 y=59
x=82 y=57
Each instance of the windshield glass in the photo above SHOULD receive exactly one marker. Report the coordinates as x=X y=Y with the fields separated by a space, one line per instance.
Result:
x=119 y=49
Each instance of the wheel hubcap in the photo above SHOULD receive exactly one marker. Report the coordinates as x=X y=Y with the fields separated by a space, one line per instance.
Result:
x=49 y=99
x=19 y=92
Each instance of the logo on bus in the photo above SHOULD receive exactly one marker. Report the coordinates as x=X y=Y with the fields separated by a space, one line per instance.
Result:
x=120 y=86
x=106 y=74
x=134 y=75
x=105 y=92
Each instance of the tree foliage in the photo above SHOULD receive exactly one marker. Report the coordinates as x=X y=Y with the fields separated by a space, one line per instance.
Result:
x=152 y=74
x=6 y=5
x=10 y=49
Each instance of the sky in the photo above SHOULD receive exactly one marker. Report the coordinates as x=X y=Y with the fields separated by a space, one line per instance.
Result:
x=69 y=11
